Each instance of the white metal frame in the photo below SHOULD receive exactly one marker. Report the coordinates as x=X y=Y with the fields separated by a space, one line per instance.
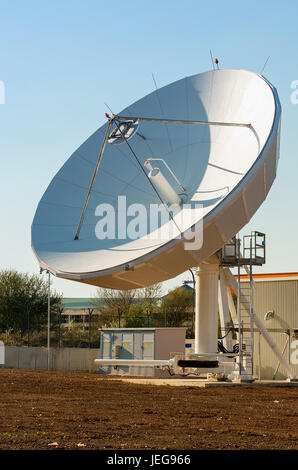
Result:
x=226 y=304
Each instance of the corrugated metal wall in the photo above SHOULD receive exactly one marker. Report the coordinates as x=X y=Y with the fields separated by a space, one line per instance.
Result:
x=281 y=297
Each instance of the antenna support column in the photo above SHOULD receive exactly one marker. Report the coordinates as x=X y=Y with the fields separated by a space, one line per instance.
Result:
x=206 y=317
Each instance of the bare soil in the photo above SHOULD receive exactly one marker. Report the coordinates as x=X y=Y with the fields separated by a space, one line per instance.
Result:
x=56 y=410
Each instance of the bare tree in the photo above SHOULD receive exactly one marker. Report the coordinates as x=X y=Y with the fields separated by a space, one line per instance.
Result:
x=111 y=305
x=150 y=297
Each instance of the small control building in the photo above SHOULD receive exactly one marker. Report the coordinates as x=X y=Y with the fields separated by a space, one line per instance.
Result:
x=140 y=343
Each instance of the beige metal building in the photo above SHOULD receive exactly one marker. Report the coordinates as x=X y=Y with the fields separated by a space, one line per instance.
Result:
x=276 y=304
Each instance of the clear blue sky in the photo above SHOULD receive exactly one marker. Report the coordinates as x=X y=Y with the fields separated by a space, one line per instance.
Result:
x=60 y=60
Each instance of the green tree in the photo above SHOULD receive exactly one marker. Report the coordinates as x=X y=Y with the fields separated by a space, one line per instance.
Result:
x=176 y=306
x=24 y=301
x=135 y=318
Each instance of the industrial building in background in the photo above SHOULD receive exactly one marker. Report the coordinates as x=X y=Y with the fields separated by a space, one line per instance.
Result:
x=276 y=304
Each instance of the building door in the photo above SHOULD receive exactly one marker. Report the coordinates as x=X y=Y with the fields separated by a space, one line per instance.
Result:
x=127 y=350
x=148 y=346
x=107 y=341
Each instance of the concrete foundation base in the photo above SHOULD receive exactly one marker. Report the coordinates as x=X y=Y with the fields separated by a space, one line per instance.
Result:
x=203 y=383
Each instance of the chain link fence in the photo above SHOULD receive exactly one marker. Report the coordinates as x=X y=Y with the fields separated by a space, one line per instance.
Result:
x=83 y=331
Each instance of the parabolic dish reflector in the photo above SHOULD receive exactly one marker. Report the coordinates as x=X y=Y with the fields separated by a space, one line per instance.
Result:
x=209 y=142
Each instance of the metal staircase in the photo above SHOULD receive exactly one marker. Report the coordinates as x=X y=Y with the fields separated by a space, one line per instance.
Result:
x=245 y=325
x=253 y=254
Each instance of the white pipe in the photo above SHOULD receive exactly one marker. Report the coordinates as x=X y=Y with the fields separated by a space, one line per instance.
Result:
x=206 y=318
x=227 y=364
x=164 y=186
x=261 y=327
x=232 y=307
x=283 y=351
x=148 y=165
x=224 y=313
x=152 y=363
x=133 y=362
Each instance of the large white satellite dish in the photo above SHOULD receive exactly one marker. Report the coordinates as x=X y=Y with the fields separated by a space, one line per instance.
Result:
x=215 y=134
x=206 y=146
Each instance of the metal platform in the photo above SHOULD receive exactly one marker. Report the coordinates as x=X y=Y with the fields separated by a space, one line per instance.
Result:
x=254 y=251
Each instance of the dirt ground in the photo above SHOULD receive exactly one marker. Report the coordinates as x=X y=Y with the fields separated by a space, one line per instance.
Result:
x=55 y=410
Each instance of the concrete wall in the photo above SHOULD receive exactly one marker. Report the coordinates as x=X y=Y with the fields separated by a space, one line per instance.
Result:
x=64 y=359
